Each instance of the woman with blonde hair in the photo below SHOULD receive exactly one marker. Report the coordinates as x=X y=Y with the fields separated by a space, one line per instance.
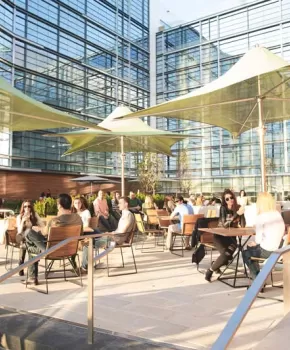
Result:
x=270 y=229
x=148 y=204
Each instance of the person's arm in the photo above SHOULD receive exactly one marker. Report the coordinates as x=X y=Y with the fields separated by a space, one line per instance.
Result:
x=19 y=224
x=96 y=207
x=86 y=219
x=39 y=227
x=259 y=229
x=223 y=216
x=174 y=213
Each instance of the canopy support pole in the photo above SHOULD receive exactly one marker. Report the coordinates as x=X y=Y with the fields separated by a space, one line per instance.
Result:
x=122 y=167
x=262 y=138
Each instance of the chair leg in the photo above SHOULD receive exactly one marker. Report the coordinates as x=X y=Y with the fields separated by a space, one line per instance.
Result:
x=6 y=260
x=63 y=261
x=26 y=282
x=134 y=259
x=80 y=274
x=11 y=258
x=108 y=273
x=123 y=265
x=45 y=276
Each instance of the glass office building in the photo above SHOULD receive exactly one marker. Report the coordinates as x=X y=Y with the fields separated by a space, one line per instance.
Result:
x=192 y=55
x=84 y=57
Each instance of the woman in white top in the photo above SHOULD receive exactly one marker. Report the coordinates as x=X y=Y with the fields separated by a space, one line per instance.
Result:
x=81 y=208
x=26 y=221
x=270 y=229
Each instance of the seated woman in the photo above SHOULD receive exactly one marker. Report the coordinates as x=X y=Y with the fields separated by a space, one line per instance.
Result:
x=115 y=206
x=169 y=204
x=270 y=229
x=81 y=208
x=28 y=220
x=148 y=204
x=230 y=213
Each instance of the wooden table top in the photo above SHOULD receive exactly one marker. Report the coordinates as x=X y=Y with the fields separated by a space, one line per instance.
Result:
x=231 y=232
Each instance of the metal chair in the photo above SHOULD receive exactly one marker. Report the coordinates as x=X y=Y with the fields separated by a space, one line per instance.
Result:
x=10 y=238
x=67 y=252
x=188 y=224
x=156 y=233
x=127 y=244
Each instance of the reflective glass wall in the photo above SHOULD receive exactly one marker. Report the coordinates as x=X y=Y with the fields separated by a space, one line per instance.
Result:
x=84 y=57
x=193 y=55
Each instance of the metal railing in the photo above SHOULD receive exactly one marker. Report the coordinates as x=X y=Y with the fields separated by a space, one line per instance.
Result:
x=240 y=313
x=91 y=259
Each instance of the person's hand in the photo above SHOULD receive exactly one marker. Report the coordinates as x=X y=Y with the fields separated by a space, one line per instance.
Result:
x=241 y=211
x=138 y=207
x=252 y=244
x=35 y=228
x=25 y=217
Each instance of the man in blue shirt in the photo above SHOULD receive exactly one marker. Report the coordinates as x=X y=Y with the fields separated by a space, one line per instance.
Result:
x=180 y=210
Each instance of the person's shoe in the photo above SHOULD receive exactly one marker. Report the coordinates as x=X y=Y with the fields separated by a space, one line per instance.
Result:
x=188 y=247
x=35 y=282
x=81 y=271
x=208 y=275
x=21 y=272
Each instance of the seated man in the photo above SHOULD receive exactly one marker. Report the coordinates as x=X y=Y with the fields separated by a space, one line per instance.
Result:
x=36 y=242
x=135 y=204
x=125 y=227
x=101 y=209
x=181 y=209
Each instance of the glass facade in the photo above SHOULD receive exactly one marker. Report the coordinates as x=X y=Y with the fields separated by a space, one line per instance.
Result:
x=84 y=57
x=194 y=54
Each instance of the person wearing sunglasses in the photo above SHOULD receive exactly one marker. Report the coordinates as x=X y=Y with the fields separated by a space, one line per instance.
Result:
x=230 y=216
x=26 y=221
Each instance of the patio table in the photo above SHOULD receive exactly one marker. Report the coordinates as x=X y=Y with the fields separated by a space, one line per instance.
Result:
x=239 y=233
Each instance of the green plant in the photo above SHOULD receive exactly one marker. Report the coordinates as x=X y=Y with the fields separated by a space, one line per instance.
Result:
x=141 y=196
x=159 y=200
x=45 y=207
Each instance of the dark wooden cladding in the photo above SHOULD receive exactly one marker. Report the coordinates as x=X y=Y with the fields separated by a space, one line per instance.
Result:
x=20 y=185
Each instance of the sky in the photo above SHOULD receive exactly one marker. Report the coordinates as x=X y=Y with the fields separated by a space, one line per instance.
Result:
x=175 y=12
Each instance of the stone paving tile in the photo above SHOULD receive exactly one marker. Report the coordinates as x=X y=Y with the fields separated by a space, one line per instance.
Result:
x=168 y=300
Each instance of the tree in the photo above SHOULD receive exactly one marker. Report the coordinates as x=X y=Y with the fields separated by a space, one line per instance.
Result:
x=183 y=171
x=150 y=171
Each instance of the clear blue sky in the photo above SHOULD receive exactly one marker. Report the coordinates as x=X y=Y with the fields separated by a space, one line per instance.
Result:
x=175 y=12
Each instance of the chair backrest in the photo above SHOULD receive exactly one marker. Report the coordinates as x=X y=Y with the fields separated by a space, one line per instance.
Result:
x=130 y=237
x=139 y=222
x=152 y=216
x=58 y=234
x=189 y=222
x=11 y=222
x=94 y=222
x=207 y=237
x=11 y=237
x=161 y=212
x=163 y=223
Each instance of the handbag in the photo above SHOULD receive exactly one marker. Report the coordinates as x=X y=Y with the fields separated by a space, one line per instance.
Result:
x=198 y=254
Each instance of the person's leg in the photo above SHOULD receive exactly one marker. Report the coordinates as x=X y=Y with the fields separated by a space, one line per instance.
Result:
x=105 y=223
x=35 y=239
x=112 y=222
x=252 y=265
x=22 y=252
x=226 y=247
x=171 y=229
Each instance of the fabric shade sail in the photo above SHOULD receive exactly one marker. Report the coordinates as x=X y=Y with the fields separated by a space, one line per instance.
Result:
x=255 y=91
x=19 y=112
x=124 y=136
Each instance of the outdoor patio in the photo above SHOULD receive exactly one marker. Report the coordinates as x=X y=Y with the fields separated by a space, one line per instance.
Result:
x=167 y=301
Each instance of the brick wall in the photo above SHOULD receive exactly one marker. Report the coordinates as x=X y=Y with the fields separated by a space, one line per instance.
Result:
x=21 y=185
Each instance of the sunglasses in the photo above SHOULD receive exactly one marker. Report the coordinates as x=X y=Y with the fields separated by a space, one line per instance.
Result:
x=27 y=206
x=228 y=198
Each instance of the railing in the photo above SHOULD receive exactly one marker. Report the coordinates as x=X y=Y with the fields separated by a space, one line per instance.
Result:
x=240 y=313
x=91 y=259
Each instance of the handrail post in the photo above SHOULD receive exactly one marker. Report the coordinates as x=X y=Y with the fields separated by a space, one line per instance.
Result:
x=90 y=292
x=286 y=282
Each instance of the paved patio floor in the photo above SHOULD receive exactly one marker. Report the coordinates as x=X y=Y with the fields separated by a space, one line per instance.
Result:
x=167 y=301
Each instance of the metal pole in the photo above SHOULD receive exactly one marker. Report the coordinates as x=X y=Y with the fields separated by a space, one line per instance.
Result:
x=90 y=292
x=122 y=166
x=286 y=282
x=262 y=138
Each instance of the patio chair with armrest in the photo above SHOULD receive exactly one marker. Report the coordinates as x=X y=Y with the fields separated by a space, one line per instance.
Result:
x=68 y=252
x=152 y=217
x=157 y=233
x=188 y=225
x=279 y=264
x=128 y=243
x=10 y=241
